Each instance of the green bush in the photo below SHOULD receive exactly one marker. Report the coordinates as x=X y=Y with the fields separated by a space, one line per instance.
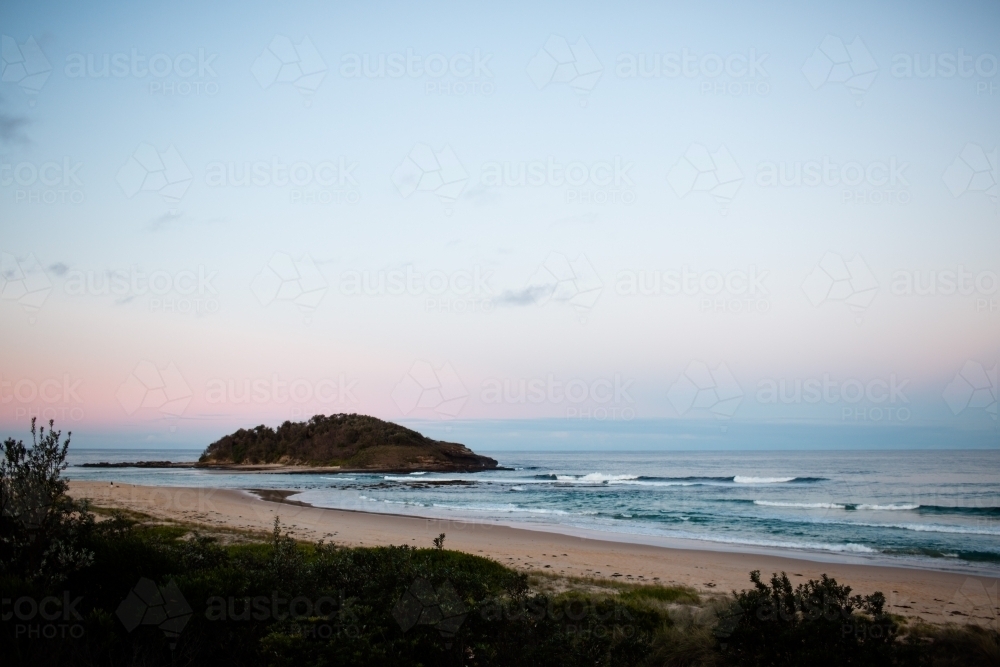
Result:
x=40 y=526
x=817 y=623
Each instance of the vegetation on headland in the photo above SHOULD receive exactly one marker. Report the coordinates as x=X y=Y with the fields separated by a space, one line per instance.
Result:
x=121 y=589
x=347 y=440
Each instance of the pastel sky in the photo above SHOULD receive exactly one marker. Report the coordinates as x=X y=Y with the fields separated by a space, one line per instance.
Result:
x=675 y=224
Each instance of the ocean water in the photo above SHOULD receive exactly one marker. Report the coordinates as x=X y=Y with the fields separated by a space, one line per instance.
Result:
x=924 y=508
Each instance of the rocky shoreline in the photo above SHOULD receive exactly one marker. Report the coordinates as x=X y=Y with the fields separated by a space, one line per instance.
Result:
x=284 y=468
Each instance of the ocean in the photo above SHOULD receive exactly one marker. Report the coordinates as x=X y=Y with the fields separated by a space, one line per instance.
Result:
x=921 y=508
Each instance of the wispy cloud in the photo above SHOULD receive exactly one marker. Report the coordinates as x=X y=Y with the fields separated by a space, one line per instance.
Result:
x=522 y=297
x=12 y=127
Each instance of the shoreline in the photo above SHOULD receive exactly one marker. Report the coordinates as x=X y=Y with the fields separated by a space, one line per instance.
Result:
x=933 y=595
x=666 y=542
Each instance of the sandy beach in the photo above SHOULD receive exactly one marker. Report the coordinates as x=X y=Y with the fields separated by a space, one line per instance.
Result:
x=931 y=595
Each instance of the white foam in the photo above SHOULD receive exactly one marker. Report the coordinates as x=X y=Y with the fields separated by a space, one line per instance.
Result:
x=889 y=508
x=594 y=477
x=847 y=547
x=643 y=482
x=745 y=479
x=932 y=528
x=508 y=508
x=822 y=506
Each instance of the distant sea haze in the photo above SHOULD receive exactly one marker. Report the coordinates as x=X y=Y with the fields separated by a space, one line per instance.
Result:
x=928 y=508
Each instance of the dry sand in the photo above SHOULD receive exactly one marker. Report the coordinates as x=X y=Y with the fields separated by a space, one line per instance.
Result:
x=932 y=595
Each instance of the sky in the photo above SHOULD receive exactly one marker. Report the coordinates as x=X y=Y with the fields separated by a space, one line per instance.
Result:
x=639 y=225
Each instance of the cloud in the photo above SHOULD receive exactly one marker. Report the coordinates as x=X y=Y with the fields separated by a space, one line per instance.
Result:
x=560 y=279
x=12 y=127
x=522 y=297
x=59 y=268
x=162 y=221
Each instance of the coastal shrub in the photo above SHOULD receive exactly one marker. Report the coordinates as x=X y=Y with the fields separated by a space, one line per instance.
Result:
x=40 y=526
x=279 y=602
x=816 y=623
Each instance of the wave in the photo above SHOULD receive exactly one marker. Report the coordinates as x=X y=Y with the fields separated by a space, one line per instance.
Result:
x=643 y=482
x=971 y=511
x=837 y=506
x=423 y=480
x=980 y=556
x=847 y=547
x=411 y=503
x=877 y=507
x=593 y=477
x=915 y=527
x=825 y=506
x=970 y=556
x=892 y=507
x=510 y=508
x=689 y=480
x=935 y=528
